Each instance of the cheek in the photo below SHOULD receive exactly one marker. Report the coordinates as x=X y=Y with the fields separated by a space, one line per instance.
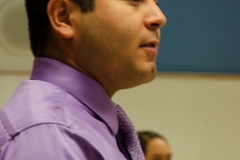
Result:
x=122 y=42
x=120 y=30
x=118 y=39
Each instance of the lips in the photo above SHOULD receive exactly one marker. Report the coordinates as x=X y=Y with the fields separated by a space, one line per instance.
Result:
x=152 y=44
x=148 y=45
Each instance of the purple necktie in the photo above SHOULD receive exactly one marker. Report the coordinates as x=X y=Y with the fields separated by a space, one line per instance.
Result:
x=129 y=136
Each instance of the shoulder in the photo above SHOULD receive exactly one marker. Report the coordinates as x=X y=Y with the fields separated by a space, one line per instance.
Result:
x=48 y=142
x=34 y=103
x=42 y=120
x=35 y=124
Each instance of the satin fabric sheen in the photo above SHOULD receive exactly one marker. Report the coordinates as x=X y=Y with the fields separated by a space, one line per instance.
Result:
x=60 y=114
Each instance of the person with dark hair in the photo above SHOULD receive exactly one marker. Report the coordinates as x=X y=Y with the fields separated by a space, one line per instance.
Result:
x=84 y=52
x=154 y=146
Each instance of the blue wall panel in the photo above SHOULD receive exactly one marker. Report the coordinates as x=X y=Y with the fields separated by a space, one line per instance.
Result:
x=200 y=36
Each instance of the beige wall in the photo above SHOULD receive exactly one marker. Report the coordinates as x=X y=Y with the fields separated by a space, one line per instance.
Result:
x=199 y=115
x=9 y=81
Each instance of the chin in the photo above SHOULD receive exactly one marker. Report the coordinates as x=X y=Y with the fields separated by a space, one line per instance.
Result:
x=149 y=75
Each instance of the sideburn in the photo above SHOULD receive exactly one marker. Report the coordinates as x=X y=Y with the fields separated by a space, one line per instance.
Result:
x=86 y=5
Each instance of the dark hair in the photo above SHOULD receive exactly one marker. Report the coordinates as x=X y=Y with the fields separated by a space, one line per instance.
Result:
x=39 y=24
x=146 y=136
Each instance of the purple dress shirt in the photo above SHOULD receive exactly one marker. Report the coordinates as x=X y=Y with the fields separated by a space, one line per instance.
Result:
x=60 y=114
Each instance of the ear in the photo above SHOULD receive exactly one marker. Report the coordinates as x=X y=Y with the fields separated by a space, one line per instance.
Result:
x=59 y=15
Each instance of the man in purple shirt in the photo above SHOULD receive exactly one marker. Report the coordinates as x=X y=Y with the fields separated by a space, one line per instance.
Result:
x=85 y=51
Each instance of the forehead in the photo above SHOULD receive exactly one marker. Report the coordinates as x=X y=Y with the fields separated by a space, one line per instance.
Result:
x=158 y=145
x=158 y=149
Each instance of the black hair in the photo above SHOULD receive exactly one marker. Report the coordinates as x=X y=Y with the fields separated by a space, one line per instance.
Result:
x=146 y=136
x=39 y=24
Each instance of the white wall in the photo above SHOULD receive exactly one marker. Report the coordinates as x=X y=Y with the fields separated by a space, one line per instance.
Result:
x=199 y=115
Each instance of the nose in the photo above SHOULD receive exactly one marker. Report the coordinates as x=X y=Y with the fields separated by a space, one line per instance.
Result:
x=155 y=18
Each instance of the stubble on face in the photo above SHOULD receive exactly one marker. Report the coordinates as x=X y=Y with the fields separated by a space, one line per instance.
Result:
x=109 y=49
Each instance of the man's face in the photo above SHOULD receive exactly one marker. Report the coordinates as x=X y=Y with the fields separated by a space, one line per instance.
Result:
x=117 y=42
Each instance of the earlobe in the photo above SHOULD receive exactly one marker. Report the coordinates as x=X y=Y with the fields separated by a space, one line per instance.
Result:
x=59 y=12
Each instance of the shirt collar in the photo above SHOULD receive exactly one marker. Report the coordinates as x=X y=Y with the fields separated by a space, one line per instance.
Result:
x=81 y=86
